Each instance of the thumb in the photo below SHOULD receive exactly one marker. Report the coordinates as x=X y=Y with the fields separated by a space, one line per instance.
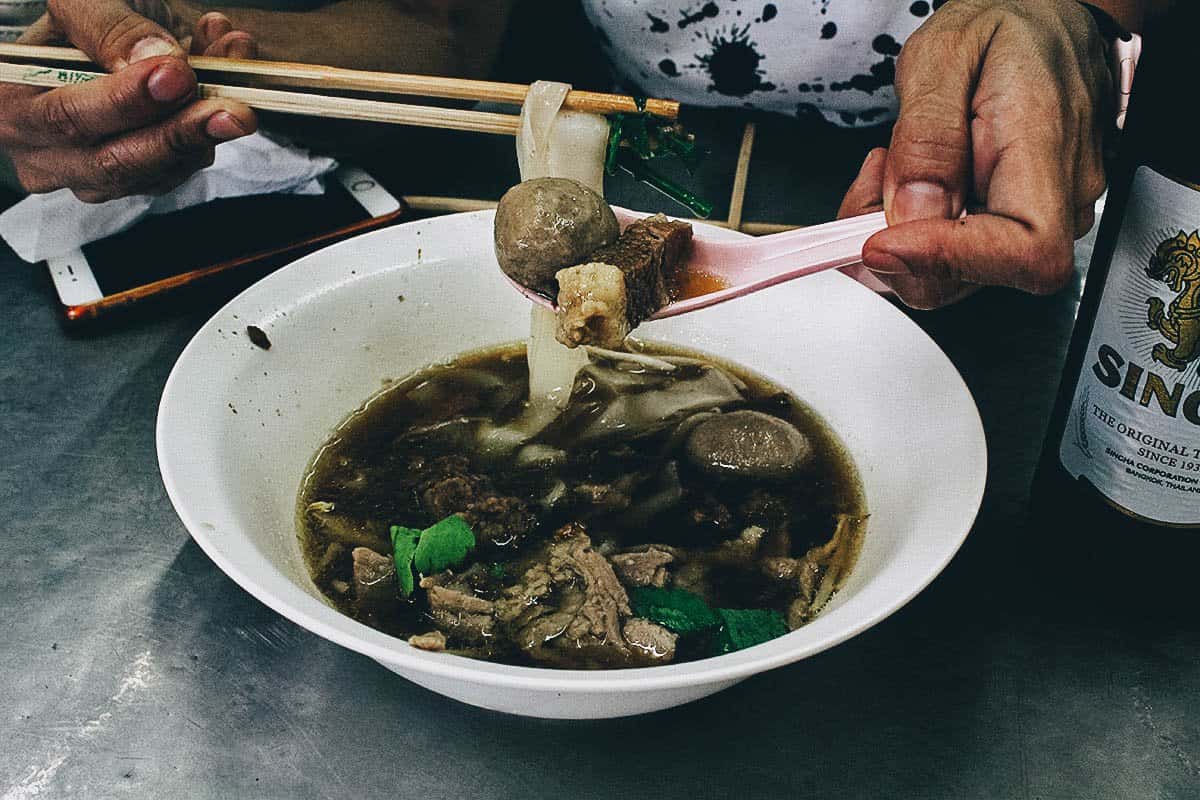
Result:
x=929 y=159
x=111 y=33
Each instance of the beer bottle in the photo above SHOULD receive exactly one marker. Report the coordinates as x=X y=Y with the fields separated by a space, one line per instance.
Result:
x=1119 y=479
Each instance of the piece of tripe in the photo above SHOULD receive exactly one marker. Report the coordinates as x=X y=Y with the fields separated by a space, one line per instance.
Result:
x=623 y=283
x=592 y=305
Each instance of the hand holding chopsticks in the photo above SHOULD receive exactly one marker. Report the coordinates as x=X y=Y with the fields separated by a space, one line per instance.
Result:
x=314 y=76
x=293 y=102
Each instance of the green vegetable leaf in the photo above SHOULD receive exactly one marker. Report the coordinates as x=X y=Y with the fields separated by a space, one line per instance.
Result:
x=675 y=609
x=443 y=545
x=404 y=545
x=498 y=570
x=746 y=627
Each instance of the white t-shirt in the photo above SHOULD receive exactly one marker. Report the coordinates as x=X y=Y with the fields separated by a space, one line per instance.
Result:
x=833 y=58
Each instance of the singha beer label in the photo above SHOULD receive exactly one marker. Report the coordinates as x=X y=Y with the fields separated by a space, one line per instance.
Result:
x=1134 y=426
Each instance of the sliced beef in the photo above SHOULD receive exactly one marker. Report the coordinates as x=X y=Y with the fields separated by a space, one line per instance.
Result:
x=742 y=551
x=374 y=577
x=422 y=472
x=500 y=522
x=434 y=641
x=453 y=494
x=597 y=306
x=649 y=253
x=676 y=238
x=568 y=607
x=615 y=496
x=453 y=600
x=476 y=579
x=655 y=643
x=457 y=610
x=646 y=566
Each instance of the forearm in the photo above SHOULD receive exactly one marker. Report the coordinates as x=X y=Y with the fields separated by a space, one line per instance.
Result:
x=432 y=38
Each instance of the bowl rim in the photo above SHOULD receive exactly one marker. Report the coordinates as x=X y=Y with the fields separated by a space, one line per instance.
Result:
x=389 y=650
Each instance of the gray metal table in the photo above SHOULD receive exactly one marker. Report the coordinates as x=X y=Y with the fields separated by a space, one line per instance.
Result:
x=130 y=666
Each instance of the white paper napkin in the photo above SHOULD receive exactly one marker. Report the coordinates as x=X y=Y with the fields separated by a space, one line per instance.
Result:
x=50 y=225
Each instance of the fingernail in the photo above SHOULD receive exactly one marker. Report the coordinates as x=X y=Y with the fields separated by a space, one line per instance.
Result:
x=169 y=84
x=867 y=161
x=921 y=200
x=223 y=126
x=881 y=262
x=150 y=47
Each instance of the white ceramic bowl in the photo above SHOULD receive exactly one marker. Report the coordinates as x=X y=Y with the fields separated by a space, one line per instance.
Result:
x=238 y=424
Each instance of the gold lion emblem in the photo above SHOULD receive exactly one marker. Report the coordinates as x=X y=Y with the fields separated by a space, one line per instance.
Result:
x=1176 y=263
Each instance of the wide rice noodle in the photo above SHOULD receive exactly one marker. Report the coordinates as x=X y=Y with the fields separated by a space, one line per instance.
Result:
x=558 y=144
x=552 y=365
x=551 y=143
x=541 y=106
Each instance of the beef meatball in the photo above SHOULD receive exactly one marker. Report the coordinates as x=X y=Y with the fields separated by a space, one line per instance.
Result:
x=747 y=444
x=546 y=224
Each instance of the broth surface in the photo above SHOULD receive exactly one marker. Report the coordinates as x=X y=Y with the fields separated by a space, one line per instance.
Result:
x=614 y=482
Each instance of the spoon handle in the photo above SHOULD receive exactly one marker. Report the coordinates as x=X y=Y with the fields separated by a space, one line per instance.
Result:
x=836 y=245
x=830 y=237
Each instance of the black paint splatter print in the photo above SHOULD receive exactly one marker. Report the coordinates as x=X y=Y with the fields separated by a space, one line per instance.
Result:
x=687 y=17
x=882 y=74
x=836 y=56
x=733 y=64
x=885 y=45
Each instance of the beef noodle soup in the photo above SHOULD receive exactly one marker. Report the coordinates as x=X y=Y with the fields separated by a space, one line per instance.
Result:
x=674 y=509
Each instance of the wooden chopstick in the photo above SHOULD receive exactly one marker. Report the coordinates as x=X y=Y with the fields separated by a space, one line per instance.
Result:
x=321 y=77
x=737 y=197
x=312 y=105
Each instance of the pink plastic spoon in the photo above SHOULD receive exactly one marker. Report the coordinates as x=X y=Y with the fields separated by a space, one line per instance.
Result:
x=742 y=266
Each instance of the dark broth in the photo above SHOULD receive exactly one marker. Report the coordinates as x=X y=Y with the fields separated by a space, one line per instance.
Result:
x=628 y=489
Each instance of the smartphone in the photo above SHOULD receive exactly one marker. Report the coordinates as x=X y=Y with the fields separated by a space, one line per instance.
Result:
x=169 y=252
